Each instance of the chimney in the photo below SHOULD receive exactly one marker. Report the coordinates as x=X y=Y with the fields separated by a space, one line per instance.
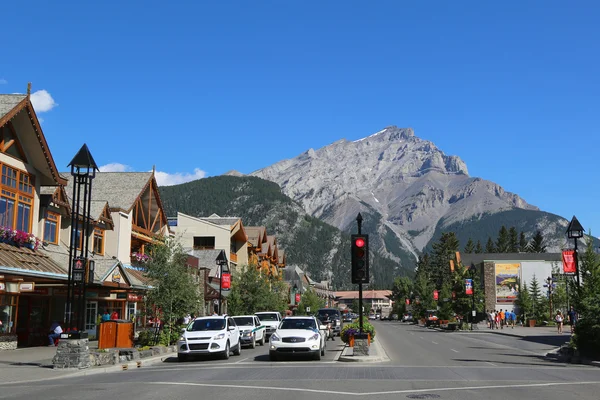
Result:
x=28 y=88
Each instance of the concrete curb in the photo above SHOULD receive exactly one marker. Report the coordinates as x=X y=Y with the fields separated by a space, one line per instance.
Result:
x=129 y=365
x=381 y=355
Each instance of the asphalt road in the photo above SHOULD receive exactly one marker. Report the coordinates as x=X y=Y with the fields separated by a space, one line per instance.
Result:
x=422 y=364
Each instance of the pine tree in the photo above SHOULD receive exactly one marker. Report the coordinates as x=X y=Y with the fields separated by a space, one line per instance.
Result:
x=470 y=247
x=444 y=250
x=502 y=242
x=537 y=244
x=478 y=247
x=523 y=303
x=522 y=242
x=489 y=246
x=513 y=240
x=535 y=293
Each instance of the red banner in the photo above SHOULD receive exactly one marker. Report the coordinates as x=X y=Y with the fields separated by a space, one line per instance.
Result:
x=435 y=295
x=568 y=257
x=407 y=302
x=298 y=298
x=469 y=287
x=225 y=281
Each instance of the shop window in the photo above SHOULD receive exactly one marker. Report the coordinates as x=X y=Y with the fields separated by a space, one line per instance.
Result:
x=91 y=315
x=98 y=241
x=8 y=308
x=16 y=199
x=51 y=227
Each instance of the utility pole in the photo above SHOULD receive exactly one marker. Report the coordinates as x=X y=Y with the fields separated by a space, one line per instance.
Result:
x=359 y=220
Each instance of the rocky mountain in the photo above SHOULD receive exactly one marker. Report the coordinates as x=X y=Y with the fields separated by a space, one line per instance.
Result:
x=409 y=191
x=315 y=246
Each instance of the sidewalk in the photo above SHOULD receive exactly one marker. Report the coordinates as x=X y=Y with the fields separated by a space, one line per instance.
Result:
x=35 y=364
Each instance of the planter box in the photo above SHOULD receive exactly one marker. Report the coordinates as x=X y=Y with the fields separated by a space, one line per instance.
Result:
x=531 y=323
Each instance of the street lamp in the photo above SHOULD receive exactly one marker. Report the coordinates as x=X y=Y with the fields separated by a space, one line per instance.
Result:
x=575 y=231
x=549 y=282
x=83 y=171
x=221 y=261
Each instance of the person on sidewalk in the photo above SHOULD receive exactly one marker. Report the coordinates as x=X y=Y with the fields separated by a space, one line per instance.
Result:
x=572 y=318
x=55 y=331
x=502 y=316
x=114 y=316
x=105 y=316
x=559 y=322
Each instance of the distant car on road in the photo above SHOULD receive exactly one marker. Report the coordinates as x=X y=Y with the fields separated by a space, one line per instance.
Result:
x=407 y=317
x=394 y=317
x=298 y=336
x=206 y=335
x=251 y=330
x=335 y=316
x=270 y=319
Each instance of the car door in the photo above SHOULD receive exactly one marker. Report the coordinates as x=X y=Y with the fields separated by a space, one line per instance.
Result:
x=234 y=334
x=259 y=329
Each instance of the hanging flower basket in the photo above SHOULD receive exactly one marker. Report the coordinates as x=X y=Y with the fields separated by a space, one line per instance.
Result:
x=19 y=238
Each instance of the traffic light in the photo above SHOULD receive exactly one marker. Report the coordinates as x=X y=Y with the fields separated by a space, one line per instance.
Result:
x=360 y=258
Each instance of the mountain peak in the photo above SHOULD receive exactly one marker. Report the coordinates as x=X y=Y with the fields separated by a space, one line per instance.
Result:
x=233 y=173
x=391 y=133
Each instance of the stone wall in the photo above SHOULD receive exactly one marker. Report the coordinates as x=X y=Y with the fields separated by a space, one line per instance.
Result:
x=72 y=353
x=489 y=284
x=8 y=342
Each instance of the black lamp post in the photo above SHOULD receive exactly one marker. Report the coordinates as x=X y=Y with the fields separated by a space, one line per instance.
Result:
x=549 y=282
x=575 y=231
x=473 y=311
x=83 y=171
x=221 y=262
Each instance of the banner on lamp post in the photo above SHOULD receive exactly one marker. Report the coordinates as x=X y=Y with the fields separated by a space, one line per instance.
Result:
x=407 y=301
x=436 y=295
x=568 y=257
x=226 y=281
x=469 y=287
x=298 y=298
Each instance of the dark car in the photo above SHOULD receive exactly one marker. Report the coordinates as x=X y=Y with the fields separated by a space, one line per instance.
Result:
x=335 y=316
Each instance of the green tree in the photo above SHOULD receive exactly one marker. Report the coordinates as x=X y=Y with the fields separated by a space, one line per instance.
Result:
x=310 y=300
x=523 y=303
x=513 y=240
x=445 y=301
x=355 y=306
x=478 y=247
x=402 y=289
x=502 y=243
x=522 y=242
x=535 y=293
x=537 y=244
x=489 y=246
x=173 y=288
x=470 y=247
x=252 y=292
x=444 y=250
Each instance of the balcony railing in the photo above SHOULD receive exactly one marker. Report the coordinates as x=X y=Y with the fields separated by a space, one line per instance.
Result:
x=233 y=257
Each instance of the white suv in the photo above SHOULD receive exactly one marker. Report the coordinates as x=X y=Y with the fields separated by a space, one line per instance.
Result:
x=207 y=335
x=270 y=319
x=297 y=336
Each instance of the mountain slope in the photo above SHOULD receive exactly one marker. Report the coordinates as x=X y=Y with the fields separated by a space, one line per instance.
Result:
x=313 y=245
x=410 y=187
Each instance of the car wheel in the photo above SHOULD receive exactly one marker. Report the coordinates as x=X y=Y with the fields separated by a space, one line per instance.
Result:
x=262 y=340
x=323 y=351
x=317 y=356
x=182 y=357
x=272 y=357
x=238 y=349
x=253 y=344
x=225 y=355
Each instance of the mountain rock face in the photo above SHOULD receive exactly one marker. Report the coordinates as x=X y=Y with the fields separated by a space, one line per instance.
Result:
x=408 y=189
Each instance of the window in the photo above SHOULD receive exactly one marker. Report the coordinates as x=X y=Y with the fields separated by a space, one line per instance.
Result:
x=51 y=227
x=91 y=313
x=204 y=242
x=16 y=199
x=98 y=241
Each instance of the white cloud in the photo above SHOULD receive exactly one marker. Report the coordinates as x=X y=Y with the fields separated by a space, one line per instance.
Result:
x=115 y=167
x=3 y=81
x=42 y=101
x=166 y=179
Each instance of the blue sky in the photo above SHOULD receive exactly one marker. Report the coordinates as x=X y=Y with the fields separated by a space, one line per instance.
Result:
x=199 y=88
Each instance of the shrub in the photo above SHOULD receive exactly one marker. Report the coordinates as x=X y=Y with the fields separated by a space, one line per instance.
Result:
x=587 y=338
x=353 y=328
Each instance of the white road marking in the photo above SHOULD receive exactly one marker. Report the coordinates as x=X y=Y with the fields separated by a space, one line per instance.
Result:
x=491 y=363
x=422 y=337
x=454 y=388
x=434 y=342
x=456 y=351
x=241 y=361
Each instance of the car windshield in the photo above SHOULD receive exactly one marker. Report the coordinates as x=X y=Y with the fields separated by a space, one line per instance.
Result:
x=298 y=324
x=330 y=313
x=211 y=324
x=267 y=317
x=244 y=321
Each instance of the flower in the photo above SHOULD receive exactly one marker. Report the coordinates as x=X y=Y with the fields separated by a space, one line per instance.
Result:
x=140 y=258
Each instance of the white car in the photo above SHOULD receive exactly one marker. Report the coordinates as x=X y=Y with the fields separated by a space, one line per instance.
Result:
x=251 y=330
x=270 y=319
x=297 y=336
x=209 y=335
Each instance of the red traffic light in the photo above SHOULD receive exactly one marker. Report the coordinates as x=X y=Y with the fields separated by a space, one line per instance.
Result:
x=360 y=242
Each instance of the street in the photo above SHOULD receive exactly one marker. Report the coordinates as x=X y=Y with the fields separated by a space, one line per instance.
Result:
x=423 y=363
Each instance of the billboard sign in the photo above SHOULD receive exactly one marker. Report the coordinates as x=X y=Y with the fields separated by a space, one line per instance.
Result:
x=508 y=281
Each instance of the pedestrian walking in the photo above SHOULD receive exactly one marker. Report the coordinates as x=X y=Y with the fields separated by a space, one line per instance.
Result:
x=502 y=316
x=572 y=318
x=559 y=322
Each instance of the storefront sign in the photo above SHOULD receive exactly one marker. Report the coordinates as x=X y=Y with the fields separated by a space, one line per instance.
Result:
x=26 y=287
x=508 y=279
x=2 y=287
x=116 y=276
x=225 y=281
x=568 y=257
x=469 y=287
x=134 y=297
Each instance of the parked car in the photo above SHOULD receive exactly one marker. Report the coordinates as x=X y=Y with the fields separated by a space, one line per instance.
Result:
x=298 y=336
x=335 y=316
x=347 y=317
x=270 y=319
x=251 y=330
x=207 y=335
x=407 y=317
x=394 y=317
